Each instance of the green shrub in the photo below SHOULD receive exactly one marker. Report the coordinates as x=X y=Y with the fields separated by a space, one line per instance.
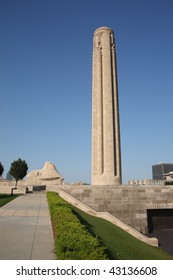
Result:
x=72 y=240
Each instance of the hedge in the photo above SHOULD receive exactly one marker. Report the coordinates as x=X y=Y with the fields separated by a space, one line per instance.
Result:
x=72 y=240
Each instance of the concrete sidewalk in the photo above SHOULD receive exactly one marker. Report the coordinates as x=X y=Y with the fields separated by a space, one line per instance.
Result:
x=26 y=230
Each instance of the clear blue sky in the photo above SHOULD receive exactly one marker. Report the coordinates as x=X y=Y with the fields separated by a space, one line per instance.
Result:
x=45 y=82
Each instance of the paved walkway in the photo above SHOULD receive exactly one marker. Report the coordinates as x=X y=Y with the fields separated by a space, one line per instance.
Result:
x=26 y=230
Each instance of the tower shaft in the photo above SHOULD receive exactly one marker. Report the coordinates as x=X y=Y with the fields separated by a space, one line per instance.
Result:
x=106 y=151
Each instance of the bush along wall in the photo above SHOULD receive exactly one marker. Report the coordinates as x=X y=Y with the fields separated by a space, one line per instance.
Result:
x=72 y=240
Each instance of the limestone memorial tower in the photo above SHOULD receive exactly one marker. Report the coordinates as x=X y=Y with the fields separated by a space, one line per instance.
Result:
x=106 y=150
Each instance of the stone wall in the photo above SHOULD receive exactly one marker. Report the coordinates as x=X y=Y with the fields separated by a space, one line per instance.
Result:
x=8 y=190
x=4 y=182
x=23 y=186
x=7 y=185
x=127 y=203
x=107 y=216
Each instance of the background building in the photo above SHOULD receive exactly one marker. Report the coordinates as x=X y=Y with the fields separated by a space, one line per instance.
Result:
x=160 y=169
x=146 y=182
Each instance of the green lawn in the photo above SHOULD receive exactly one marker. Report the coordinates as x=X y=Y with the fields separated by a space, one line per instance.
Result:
x=120 y=244
x=5 y=198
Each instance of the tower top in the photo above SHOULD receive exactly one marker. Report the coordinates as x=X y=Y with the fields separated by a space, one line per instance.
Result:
x=103 y=28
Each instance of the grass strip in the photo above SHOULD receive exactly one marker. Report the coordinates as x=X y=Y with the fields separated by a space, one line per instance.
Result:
x=72 y=240
x=5 y=198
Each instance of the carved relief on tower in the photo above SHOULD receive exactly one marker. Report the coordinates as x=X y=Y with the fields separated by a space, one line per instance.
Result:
x=99 y=45
x=112 y=41
x=98 y=41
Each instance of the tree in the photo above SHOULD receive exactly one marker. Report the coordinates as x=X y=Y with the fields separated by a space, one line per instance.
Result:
x=1 y=169
x=18 y=169
x=8 y=176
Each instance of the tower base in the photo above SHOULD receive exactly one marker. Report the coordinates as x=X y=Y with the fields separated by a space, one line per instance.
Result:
x=105 y=180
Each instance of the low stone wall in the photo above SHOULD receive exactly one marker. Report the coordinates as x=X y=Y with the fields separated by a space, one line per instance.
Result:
x=25 y=183
x=7 y=185
x=128 y=203
x=12 y=183
x=8 y=190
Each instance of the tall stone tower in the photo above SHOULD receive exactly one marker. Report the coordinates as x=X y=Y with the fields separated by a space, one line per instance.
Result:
x=106 y=151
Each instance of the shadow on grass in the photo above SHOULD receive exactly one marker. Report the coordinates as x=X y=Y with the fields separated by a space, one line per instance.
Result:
x=90 y=229
x=5 y=198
